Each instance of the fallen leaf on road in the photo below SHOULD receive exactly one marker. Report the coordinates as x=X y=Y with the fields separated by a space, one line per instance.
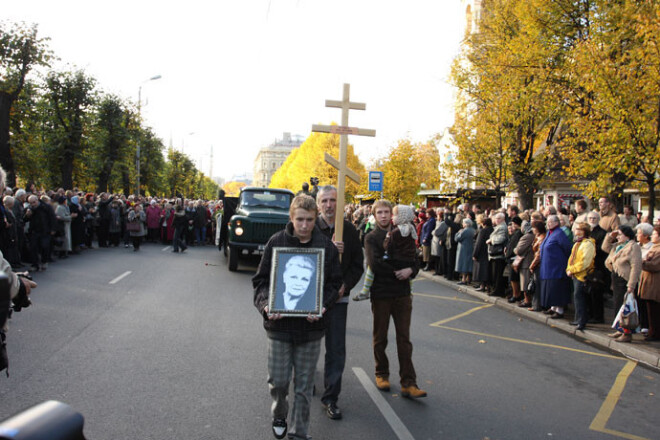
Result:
x=481 y=341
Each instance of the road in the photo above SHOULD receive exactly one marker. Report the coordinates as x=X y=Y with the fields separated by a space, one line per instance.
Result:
x=157 y=345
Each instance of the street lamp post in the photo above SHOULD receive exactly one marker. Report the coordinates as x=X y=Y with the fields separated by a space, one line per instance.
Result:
x=137 y=160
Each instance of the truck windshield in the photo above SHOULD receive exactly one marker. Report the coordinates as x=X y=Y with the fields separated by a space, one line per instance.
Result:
x=266 y=199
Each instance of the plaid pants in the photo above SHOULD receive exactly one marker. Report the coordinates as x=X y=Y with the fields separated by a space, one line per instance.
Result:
x=285 y=358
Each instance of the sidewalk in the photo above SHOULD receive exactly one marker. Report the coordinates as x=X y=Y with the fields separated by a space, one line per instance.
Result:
x=645 y=352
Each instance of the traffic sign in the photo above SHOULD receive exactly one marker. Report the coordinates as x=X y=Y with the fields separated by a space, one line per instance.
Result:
x=376 y=181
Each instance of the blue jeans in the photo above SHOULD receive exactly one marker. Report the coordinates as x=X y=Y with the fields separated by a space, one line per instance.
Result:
x=580 y=301
x=335 y=352
x=200 y=234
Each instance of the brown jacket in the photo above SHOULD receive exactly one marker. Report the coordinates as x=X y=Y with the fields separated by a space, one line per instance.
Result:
x=649 y=285
x=627 y=263
x=536 y=249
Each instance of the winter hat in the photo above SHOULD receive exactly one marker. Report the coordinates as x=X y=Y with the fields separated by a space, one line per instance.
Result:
x=517 y=220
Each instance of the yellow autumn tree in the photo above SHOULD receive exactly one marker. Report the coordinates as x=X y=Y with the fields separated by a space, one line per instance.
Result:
x=233 y=189
x=308 y=160
x=406 y=167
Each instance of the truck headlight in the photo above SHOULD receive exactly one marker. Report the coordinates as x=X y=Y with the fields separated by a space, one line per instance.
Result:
x=238 y=231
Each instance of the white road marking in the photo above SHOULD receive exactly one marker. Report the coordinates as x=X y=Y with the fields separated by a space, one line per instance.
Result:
x=386 y=410
x=166 y=248
x=121 y=277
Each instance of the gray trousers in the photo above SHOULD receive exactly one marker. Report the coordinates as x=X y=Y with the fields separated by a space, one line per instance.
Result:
x=285 y=358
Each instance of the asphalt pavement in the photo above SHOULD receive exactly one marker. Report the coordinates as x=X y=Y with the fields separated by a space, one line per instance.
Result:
x=156 y=345
x=596 y=334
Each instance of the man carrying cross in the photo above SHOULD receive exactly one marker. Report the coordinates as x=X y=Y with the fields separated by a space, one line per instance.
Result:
x=351 y=271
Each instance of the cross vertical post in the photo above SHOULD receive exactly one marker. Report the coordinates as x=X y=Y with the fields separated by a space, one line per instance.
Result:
x=343 y=171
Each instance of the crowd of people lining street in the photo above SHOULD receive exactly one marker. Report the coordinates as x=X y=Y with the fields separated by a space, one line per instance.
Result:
x=545 y=260
x=43 y=226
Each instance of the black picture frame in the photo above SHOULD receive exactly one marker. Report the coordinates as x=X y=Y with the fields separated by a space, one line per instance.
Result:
x=296 y=282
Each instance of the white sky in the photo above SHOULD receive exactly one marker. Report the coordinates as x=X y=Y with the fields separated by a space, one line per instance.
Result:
x=239 y=73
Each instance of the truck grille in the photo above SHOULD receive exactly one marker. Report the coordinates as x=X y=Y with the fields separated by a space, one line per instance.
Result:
x=261 y=232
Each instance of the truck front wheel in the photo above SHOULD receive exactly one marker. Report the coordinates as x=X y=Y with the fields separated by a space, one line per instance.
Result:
x=233 y=258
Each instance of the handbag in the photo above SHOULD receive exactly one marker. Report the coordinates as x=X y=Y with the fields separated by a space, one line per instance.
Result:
x=516 y=262
x=531 y=286
x=133 y=226
x=629 y=313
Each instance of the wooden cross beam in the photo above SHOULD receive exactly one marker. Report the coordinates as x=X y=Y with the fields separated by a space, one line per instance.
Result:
x=343 y=131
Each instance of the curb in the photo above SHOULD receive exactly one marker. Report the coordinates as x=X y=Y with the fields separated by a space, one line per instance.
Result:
x=649 y=356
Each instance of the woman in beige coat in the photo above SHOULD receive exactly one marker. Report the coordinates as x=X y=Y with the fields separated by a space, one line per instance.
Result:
x=649 y=286
x=625 y=263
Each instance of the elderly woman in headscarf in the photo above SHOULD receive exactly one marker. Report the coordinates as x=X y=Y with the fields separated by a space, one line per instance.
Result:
x=465 y=240
x=63 y=216
x=625 y=263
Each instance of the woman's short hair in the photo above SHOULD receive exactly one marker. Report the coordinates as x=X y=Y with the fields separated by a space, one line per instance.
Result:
x=646 y=229
x=585 y=228
x=467 y=222
x=539 y=226
x=305 y=202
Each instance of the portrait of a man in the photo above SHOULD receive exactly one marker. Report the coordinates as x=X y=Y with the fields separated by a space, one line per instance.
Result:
x=296 y=280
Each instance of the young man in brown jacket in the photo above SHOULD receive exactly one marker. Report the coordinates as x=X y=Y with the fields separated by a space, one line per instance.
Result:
x=390 y=298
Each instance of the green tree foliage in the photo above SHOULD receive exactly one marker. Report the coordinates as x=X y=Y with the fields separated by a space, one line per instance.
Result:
x=308 y=160
x=69 y=95
x=21 y=49
x=112 y=132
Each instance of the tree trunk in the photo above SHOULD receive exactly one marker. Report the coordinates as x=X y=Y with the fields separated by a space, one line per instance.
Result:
x=651 y=185
x=66 y=168
x=126 y=181
x=526 y=190
x=6 y=159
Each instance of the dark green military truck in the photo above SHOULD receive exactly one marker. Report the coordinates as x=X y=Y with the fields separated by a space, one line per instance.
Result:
x=260 y=213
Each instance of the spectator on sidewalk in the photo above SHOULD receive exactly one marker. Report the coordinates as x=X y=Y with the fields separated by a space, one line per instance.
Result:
x=554 y=283
x=465 y=240
x=580 y=265
x=480 y=269
x=609 y=221
x=649 y=286
x=496 y=245
x=625 y=263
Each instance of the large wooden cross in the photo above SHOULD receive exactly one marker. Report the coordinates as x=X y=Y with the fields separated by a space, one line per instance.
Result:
x=343 y=130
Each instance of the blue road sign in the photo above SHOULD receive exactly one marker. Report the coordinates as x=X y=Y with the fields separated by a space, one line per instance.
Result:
x=376 y=181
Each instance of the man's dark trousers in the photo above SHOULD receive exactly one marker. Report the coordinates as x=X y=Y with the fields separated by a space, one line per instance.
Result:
x=335 y=351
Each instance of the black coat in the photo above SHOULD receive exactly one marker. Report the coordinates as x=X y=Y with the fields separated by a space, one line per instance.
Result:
x=297 y=329
x=352 y=260
x=385 y=284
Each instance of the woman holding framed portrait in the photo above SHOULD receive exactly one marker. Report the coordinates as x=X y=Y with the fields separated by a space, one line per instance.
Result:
x=298 y=279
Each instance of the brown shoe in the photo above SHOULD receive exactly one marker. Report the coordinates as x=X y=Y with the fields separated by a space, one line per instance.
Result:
x=413 y=392
x=625 y=337
x=382 y=383
x=614 y=335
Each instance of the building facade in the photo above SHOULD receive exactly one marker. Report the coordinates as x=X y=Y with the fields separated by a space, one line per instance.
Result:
x=270 y=158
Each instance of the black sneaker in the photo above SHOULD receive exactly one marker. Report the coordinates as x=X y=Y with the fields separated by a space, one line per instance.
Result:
x=279 y=428
x=332 y=411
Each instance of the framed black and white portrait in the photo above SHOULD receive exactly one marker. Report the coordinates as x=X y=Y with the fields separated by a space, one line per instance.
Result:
x=296 y=282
